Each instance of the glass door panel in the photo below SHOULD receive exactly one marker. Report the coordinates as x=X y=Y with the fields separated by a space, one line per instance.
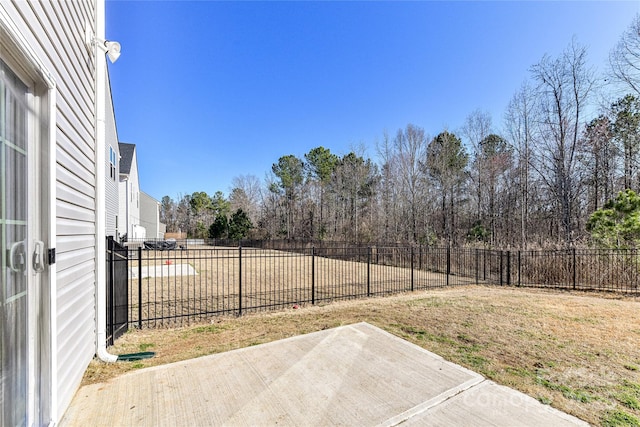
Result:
x=14 y=324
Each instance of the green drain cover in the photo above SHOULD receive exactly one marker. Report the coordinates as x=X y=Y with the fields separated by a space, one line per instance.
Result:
x=136 y=356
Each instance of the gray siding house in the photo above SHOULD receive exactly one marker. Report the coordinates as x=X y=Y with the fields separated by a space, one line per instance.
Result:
x=112 y=165
x=150 y=216
x=129 y=194
x=54 y=120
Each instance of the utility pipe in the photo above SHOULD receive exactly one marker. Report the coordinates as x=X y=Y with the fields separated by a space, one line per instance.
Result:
x=100 y=136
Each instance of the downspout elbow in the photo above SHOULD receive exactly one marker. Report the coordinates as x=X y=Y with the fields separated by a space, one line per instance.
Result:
x=102 y=352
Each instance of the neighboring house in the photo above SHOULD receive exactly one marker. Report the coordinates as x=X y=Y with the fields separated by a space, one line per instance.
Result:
x=112 y=172
x=129 y=194
x=53 y=120
x=150 y=216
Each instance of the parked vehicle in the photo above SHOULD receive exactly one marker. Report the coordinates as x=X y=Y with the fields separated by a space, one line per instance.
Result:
x=160 y=245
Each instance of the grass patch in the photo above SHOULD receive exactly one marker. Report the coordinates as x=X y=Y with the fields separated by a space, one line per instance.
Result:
x=629 y=395
x=619 y=419
x=465 y=338
x=541 y=365
x=146 y=346
x=429 y=302
x=422 y=334
x=475 y=361
x=632 y=387
x=519 y=372
x=628 y=400
x=203 y=329
x=544 y=400
x=207 y=329
x=578 y=395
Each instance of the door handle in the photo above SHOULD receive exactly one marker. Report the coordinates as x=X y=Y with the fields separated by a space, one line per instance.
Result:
x=17 y=258
x=38 y=256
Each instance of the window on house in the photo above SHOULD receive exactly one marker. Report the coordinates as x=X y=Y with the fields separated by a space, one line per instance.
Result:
x=112 y=163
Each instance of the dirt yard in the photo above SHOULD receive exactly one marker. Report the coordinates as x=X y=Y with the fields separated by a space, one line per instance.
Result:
x=579 y=352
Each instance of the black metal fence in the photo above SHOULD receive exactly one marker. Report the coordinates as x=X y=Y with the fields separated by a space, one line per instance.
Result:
x=199 y=281
x=117 y=290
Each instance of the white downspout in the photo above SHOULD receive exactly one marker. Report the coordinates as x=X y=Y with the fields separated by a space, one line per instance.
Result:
x=129 y=234
x=100 y=128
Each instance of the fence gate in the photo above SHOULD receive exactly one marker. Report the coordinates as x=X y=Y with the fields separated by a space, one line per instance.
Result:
x=117 y=290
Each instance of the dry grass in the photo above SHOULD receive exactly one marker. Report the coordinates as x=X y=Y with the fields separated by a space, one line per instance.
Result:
x=270 y=278
x=578 y=352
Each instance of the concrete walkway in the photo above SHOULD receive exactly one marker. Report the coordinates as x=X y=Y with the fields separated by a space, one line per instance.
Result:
x=352 y=375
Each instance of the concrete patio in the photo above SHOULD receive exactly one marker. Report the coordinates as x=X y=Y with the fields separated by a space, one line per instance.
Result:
x=351 y=375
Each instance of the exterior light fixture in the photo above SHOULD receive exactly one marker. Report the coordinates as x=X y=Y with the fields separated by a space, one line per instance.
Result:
x=111 y=48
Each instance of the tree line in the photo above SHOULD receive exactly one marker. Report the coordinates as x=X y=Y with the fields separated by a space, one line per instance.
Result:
x=568 y=145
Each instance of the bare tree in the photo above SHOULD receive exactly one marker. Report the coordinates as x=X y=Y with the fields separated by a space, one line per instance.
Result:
x=246 y=194
x=600 y=155
x=410 y=147
x=519 y=125
x=476 y=128
x=446 y=163
x=273 y=218
x=168 y=214
x=320 y=165
x=183 y=214
x=564 y=85
x=290 y=171
x=388 y=203
x=494 y=159
x=624 y=59
x=353 y=185
x=625 y=114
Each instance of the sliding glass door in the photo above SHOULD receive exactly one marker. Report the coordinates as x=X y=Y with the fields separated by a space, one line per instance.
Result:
x=21 y=254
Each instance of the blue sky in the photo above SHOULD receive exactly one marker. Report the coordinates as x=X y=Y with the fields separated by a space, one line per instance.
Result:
x=212 y=90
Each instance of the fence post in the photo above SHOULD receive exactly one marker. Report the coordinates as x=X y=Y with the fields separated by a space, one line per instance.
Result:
x=239 y=280
x=448 y=263
x=574 y=268
x=484 y=264
x=411 y=268
x=368 y=271
x=110 y=303
x=477 y=267
x=500 y=265
x=519 y=268
x=508 y=268
x=313 y=275
x=634 y=283
x=139 y=288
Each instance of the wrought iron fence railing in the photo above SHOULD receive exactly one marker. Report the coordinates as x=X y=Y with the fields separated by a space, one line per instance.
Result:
x=198 y=281
x=117 y=290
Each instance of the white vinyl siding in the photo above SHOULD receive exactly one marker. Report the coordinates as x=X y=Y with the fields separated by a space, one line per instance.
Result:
x=55 y=32
x=150 y=216
x=111 y=184
x=134 y=208
x=129 y=217
x=122 y=206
